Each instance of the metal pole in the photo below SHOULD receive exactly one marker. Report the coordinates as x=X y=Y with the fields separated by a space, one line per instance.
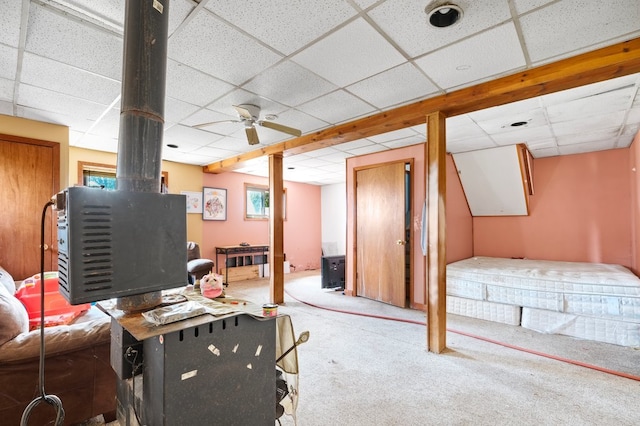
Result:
x=144 y=65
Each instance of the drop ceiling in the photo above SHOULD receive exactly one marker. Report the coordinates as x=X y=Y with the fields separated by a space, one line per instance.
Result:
x=315 y=64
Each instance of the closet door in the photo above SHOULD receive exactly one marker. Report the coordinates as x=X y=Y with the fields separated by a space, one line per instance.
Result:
x=29 y=176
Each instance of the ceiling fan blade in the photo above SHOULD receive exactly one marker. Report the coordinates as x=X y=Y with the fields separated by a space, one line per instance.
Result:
x=243 y=112
x=280 y=128
x=252 y=135
x=201 y=125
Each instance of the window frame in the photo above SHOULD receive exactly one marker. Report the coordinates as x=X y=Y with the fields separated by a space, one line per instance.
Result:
x=264 y=189
x=108 y=169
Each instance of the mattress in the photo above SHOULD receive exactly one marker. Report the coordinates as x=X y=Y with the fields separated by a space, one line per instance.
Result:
x=592 y=289
x=600 y=329
x=496 y=312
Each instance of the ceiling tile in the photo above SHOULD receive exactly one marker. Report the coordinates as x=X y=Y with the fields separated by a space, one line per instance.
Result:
x=98 y=143
x=8 y=62
x=572 y=26
x=406 y=23
x=462 y=127
x=10 y=16
x=350 y=146
x=213 y=47
x=589 y=90
x=335 y=107
x=606 y=136
x=523 y=6
x=290 y=84
x=398 y=143
x=470 y=144
x=46 y=100
x=591 y=106
x=43 y=72
x=188 y=138
x=528 y=135
x=111 y=11
x=190 y=85
x=398 y=85
x=298 y=23
x=504 y=124
x=394 y=135
x=6 y=108
x=499 y=112
x=74 y=43
x=491 y=53
x=300 y=120
x=175 y=110
x=350 y=54
x=78 y=122
x=545 y=152
x=581 y=148
x=6 y=91
x=589 y=124
x=369 y=149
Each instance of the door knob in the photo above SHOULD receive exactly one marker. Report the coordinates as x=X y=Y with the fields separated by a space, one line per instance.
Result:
x=46 y=247
x=400 y=242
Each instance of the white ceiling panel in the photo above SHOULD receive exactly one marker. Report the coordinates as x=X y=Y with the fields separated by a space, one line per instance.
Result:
x=316 y=64
x=336 y=106
x=405 y=21
x=350 y=54
x=47 y=100
x=290 y=84
x=394 y=86
x=571 y=26
x=68 y=80
x=6 y=94
x=10 y=16
x=9 y=62
x=67 y=40
x=190 y=85
x=210 y=45
x=491 y=53
x=298 y=22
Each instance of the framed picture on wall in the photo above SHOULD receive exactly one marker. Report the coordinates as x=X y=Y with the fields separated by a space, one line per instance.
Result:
x=214 y=204
x=194 y=201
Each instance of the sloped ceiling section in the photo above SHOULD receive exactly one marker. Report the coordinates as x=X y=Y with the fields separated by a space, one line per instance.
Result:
x=316 y=64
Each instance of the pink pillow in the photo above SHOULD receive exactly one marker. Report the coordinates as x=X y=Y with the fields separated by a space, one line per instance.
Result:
x=13 y=316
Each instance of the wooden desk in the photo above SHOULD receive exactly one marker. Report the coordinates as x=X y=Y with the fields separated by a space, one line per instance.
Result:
x=241 y=256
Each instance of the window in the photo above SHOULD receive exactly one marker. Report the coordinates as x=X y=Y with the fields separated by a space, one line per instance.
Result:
x=257 y=201
x=104 y=176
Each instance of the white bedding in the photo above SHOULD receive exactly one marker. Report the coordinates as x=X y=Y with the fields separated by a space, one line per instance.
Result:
x=592 y=301
x=570 y=287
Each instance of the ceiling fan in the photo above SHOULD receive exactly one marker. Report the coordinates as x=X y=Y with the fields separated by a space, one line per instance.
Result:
x=249 y=116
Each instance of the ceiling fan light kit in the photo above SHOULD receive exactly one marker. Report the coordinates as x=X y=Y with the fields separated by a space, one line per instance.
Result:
x=249 y=116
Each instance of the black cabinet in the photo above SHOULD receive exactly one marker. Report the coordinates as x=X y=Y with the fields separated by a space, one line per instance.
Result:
x=333 y=271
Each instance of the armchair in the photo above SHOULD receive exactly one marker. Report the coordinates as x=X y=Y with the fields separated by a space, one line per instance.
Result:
x=196 y=266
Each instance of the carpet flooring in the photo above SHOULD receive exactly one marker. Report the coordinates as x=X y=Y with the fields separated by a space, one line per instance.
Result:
x=361 y=370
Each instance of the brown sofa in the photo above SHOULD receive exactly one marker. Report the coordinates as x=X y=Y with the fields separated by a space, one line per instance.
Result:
x=77 y=368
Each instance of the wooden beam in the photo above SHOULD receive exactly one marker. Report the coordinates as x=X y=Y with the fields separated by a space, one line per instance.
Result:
x=602 y=64
x=436 y=247
x=276 y=229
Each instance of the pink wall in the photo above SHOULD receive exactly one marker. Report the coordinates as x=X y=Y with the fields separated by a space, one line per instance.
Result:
x=580 y=212
x=459 y=231
x=458 y=217
x=302 y=227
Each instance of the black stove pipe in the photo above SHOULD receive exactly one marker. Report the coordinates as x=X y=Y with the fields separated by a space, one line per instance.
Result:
x=144 y=65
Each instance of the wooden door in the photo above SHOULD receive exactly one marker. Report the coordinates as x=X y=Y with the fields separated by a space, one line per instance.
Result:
x=29 y=176
x=380 y=233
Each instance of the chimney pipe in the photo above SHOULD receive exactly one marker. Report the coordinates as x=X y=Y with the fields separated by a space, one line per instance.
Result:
x=144 y=65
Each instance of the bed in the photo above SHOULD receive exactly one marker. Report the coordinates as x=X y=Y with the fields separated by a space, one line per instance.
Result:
x=586 y=300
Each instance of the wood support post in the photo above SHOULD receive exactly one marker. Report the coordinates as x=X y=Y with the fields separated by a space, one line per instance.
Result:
x=276 y=229
x=436 y=255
